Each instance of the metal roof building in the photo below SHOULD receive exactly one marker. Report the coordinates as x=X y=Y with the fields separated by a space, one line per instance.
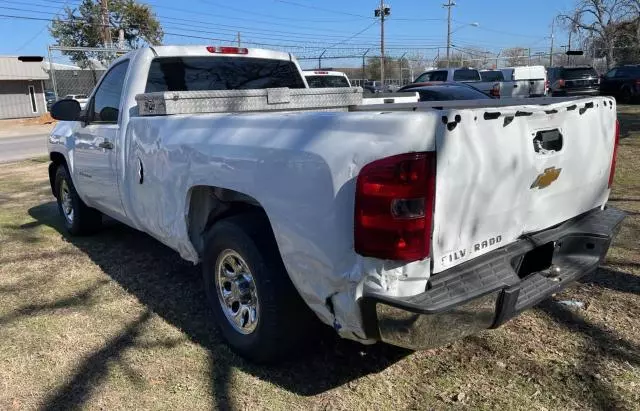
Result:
x=22 y=87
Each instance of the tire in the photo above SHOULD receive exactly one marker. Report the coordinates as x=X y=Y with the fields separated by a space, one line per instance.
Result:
x=78 y=218
x=625 y=96
x=281 y=317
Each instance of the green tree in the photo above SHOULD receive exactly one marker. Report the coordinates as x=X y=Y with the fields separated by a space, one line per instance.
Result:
x=82 y=27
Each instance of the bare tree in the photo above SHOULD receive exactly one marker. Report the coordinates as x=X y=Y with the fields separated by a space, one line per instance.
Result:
x=516 y=56
x=417 y=63
x=600 y=20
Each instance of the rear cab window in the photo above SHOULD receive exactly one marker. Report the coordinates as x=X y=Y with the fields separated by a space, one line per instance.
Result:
x=494 y=75
x=326 y=81
x=466 y=75
x=196 y=73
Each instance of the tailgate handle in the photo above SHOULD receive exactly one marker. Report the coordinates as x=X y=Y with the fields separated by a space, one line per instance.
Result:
x=547 y=140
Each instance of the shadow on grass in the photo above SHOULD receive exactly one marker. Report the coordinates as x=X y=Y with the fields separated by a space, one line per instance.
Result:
x=80 y=299
x=171 y=288
x=615 y=280
x=600 y=343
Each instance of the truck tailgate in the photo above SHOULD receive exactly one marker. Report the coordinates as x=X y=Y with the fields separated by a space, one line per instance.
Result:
x=503 y=172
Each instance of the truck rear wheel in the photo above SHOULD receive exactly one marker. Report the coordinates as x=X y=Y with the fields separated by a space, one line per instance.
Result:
x=255 y=305
x=78 y=218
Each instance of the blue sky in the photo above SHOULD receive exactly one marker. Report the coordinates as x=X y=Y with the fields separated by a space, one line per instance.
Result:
x=345 y=27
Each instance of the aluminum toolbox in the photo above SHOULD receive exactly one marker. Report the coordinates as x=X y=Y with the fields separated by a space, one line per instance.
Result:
x=225 y=101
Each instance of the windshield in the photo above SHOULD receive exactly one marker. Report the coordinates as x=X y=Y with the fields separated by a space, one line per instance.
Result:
x=432 y=76
x=492 y=75
x=578 y=73
x=326 y=81
x=221 y=73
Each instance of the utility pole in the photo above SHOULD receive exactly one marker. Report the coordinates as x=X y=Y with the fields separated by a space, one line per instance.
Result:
x=382 y=12
x=239 y=40
x=551 y=51
x=364 y=75
x=449 y=5
x=104 y=29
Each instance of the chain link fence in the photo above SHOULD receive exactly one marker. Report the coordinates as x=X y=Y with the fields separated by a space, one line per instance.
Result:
x=77 y=70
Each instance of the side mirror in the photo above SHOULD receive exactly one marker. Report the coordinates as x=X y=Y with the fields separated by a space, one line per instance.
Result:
x=66 y=110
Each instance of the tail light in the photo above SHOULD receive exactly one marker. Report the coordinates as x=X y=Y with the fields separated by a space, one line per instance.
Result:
x=495 y=91
x=561 y=83
x=638 y=82
x=227 y=50
x=394 y=207
x=612 y=172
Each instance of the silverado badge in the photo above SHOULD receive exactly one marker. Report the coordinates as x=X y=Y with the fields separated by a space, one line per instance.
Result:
x=546 y=178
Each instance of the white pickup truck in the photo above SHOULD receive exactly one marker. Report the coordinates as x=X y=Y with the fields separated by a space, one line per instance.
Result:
x=415 y=224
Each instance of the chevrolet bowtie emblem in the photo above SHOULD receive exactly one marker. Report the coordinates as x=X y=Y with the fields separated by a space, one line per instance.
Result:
x=546 y=178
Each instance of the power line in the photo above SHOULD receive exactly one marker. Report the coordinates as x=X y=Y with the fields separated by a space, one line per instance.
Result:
x=235 y=28
x=270 y=33
x=481 y=27
x=235 y=17
x=272 y=16
x=323 y=9
x=26 y=43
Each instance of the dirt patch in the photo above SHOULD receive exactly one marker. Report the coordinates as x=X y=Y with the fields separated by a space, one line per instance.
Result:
x=118 y=321
x=43 y=119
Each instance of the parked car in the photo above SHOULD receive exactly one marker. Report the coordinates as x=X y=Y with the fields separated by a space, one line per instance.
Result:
x=461 y=75
x=297 y=204
x=524 y=81
x=80 y=98
x=622 y=82
x=324 y=78
x=573 y=81
x=377 y=87
x=449 y=91
x=50 y=98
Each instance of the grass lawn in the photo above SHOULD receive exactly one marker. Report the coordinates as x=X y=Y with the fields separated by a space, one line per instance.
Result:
x=118 y=321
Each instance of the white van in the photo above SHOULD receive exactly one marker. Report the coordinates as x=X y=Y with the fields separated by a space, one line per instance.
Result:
x=528 y=81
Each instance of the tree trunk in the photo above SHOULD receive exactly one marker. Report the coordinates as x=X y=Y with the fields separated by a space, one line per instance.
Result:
x=609 y=55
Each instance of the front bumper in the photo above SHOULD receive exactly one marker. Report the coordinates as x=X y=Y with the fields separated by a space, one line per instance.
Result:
x=493 y=288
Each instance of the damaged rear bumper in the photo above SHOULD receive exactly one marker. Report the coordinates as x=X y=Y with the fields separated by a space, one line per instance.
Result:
x=493 y=288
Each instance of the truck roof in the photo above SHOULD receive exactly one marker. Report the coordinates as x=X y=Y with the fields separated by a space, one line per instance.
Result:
x=206 y=50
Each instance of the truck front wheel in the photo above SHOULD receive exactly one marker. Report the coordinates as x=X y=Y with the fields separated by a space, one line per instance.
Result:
x=78 y=218
x=255 y=305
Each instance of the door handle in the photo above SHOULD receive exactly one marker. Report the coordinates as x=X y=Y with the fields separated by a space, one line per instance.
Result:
x=515 y=86
x=107 y=145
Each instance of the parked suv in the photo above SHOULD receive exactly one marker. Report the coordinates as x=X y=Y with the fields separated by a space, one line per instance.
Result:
x=573 y=81
x=622 y=82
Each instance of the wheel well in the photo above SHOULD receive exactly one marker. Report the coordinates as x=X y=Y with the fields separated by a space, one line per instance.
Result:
x=208 y=205
x=57 y=159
